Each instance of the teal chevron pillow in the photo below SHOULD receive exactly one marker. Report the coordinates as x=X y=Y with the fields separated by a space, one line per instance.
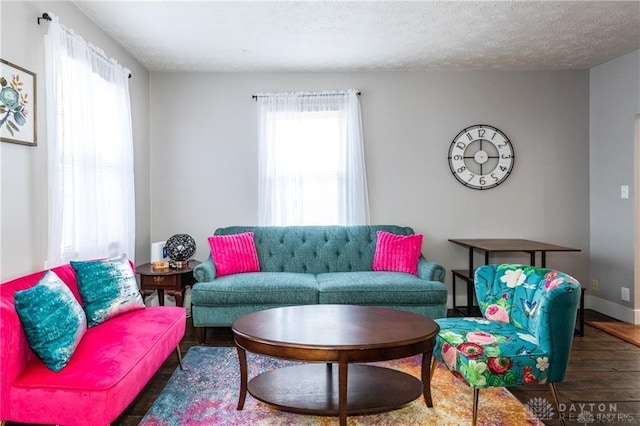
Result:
x=108 y=288
x=52 y=318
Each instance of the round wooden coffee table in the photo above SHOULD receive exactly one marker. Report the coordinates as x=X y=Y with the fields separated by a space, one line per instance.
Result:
x=342 y=334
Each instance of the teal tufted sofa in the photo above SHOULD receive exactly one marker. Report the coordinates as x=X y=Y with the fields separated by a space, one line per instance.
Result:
x=301 y=265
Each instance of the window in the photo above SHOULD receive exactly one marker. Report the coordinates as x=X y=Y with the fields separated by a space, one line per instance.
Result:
x=311 y=160
x=91 y=186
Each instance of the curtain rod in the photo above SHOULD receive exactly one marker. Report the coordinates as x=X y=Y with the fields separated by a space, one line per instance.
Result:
x=310 y=94
x=46 y=17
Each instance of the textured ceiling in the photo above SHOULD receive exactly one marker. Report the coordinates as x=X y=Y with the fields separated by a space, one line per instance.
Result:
x=216 y=36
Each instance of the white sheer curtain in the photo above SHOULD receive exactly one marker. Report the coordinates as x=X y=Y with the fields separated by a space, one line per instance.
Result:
x=90 y=150
x=311 y=159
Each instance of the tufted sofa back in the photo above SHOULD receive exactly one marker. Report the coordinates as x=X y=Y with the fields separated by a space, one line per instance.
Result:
x=315 y=249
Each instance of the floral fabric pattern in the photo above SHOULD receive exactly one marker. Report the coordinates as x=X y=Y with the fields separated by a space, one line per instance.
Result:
x=512 y=343
x=513 y=293
x=490 y=353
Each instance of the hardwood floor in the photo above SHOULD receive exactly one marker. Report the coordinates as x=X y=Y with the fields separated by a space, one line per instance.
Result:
x=601 y=386
x=602 y=380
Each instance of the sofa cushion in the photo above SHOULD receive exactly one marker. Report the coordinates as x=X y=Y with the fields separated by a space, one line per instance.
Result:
x=257 y=288
x=108 y=288
x=53 y=320
x=234 y=254
x=490 y=353
x=15 y=351
x=397 y=253
x=379 y=288
x=112 y=364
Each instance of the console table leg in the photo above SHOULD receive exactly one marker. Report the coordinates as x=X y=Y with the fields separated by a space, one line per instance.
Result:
x=426 y=378
x=470 y=293
x=179 y=298
x=343 y=373
x=580 y=330
x=242 y=357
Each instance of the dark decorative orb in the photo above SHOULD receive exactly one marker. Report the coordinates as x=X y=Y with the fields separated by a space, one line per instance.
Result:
x=180 y=247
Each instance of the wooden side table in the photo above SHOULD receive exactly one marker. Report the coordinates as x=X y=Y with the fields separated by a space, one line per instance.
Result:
x=172 y=280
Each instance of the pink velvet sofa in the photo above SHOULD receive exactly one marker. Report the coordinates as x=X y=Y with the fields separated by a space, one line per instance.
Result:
x=111 y=365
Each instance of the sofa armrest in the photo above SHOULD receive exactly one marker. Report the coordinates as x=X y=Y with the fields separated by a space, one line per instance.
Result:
x=205 y=271
x=430 y=271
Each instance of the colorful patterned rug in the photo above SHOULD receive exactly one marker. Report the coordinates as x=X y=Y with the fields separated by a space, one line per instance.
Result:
x=206 y=393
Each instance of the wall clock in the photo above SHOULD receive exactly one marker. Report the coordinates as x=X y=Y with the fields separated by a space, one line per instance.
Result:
x=481 y=157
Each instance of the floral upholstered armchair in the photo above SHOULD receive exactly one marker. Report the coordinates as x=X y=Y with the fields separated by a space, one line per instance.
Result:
x=524 y=336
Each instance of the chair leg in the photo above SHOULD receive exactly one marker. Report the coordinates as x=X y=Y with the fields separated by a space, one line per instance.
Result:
x=556 y=400
x=476 y=393
x=179 y=357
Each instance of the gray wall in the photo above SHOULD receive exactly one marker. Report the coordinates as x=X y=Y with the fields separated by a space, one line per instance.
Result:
x=614 y=102
x=196 y=157
x=204 y=156
x=23 y=169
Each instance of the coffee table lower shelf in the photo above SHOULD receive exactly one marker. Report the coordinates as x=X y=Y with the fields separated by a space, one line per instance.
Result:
x=313 y=389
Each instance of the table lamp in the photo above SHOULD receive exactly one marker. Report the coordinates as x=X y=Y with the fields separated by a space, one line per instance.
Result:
x=180 y=248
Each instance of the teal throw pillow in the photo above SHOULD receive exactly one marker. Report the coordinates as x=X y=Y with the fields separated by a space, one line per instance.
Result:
x=108 y=288
x=52 y=318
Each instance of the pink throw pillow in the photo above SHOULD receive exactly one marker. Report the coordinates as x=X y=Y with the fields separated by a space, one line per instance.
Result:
x=397 y=253
x=234 y=254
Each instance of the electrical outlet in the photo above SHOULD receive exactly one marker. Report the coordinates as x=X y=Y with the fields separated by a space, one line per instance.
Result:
x=624 y=192
x=624 y=294
x=595 y=285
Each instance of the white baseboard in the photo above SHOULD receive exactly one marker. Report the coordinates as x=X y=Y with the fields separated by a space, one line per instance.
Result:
x=612 y=309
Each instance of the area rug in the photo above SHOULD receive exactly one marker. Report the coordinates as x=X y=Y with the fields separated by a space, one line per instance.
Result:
x=622 y=330
x=206 y=393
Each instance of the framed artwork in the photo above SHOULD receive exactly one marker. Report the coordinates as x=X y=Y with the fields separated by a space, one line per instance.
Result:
x=18 y=122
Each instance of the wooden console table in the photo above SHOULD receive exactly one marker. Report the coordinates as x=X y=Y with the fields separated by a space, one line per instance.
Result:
x=503 y=245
